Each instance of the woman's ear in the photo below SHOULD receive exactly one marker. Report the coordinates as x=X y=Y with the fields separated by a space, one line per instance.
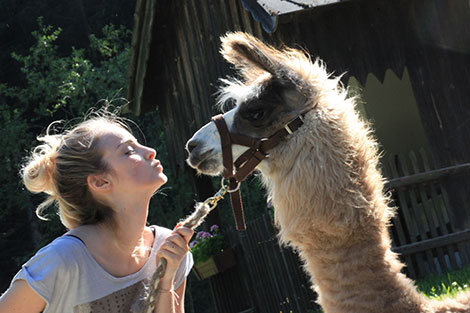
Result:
x=98 y=183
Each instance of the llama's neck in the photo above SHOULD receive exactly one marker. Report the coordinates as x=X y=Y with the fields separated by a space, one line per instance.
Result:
x=348 y=257
x=329 y=205
x=358 y=274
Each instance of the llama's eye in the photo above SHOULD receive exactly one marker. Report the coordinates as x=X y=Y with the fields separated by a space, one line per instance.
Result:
x=254 y=115
x=228 y=105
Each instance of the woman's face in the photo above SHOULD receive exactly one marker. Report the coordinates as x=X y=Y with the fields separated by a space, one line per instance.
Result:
x=133 y=167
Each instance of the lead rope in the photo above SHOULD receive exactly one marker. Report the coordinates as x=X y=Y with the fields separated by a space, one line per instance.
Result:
x=146 y=302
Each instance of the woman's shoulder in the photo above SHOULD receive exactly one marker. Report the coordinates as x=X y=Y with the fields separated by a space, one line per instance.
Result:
x=52 y=263
x=66 y=244
x=61 y=250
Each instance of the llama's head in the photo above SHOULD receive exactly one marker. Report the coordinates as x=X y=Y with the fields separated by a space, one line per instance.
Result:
x=272 y=91
x=332 y=159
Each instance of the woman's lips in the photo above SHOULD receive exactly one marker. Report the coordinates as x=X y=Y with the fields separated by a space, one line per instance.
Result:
x=158 y=165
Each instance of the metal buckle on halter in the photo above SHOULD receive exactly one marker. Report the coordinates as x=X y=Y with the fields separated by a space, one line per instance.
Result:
x=226 y=188
x=288 y=129
x=266 y=155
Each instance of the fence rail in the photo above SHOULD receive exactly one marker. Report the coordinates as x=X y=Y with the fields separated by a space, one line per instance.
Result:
x=422 y=229
x=419 y=178
x=442 y=241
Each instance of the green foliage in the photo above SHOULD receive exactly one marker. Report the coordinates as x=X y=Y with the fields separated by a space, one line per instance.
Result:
x=14 y=207
x=78 y=19
x=113 y=42
x=71 y=83
x=207 y=244
x=446 y=285
x=54 y=88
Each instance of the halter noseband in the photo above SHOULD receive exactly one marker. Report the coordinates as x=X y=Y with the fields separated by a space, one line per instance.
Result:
x=237 y=171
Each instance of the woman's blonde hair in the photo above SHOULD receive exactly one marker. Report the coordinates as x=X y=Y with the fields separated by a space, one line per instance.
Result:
x=60 y=166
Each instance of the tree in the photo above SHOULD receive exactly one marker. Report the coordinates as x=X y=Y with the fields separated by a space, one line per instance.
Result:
x=78 y=19
x=55 y=87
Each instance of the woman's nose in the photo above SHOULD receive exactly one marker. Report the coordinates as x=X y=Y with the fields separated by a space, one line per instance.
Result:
x=151 y=153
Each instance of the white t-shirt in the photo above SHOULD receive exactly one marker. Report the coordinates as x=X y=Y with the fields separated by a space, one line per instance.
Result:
x=69 y=279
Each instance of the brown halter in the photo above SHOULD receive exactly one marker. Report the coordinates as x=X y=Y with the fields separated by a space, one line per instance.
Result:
x=237 y=171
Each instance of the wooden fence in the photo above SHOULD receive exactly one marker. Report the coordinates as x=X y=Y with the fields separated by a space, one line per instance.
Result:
x=270 y=278
x=422 y=231
x=267 y=278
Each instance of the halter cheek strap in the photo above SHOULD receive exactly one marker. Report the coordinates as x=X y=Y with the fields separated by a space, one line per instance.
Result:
x=237 y=171
x=227 y=160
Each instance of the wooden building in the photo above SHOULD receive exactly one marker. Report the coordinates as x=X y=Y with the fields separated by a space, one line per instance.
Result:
x=410 y=60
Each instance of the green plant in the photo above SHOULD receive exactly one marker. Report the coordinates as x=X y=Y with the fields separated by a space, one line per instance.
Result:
x=207 y=244
x=55 y=86
x=445 y=285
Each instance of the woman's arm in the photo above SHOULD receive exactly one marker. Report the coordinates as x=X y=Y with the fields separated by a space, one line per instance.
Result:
x=170 y=301
x=21 y=298
x=165 y=298
x=173 y=250
x=179 y=307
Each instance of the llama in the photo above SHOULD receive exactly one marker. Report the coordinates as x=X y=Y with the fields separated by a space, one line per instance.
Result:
x=323 y=179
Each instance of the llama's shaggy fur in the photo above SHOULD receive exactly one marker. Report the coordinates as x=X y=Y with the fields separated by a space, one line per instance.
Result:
x=326 y=188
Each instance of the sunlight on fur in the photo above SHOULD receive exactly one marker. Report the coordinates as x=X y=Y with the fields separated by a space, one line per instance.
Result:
x=324 y=180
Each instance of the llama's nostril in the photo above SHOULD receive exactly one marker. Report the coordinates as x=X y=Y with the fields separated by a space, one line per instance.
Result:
x=191 y=145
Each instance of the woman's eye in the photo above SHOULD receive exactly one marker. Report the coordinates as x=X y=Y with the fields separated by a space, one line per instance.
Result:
x=130 y=151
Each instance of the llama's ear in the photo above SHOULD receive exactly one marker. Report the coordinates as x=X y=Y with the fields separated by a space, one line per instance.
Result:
x=249 y=54
x=252 y=58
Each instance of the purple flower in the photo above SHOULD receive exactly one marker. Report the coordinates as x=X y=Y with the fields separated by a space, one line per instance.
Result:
x=192 y=244
x=202 y=235
x=199 y=235
x=206 y=235
x=214 y=228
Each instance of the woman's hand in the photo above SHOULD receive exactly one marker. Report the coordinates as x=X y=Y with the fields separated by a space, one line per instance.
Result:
x=173 y=250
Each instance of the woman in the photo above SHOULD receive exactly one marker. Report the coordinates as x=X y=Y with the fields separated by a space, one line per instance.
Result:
x=102 y=180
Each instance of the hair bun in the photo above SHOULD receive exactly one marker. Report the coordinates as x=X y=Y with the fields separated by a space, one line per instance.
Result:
x=38 y=171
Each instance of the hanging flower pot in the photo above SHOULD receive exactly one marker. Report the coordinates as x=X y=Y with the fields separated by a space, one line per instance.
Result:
x=215 y=264
x=210 y=253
